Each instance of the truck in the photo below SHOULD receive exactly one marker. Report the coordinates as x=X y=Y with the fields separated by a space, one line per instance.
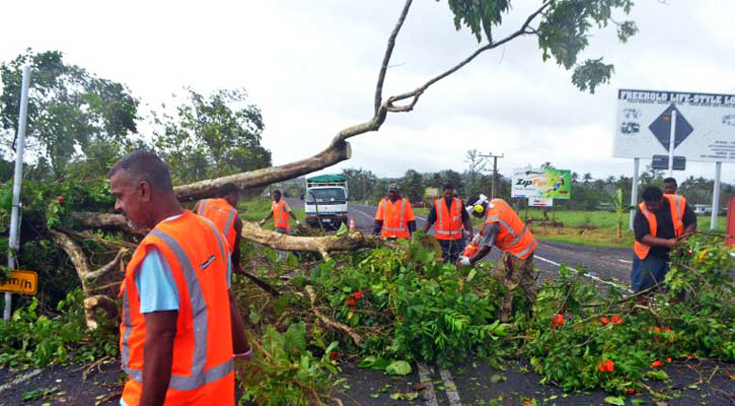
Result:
x=326 y=201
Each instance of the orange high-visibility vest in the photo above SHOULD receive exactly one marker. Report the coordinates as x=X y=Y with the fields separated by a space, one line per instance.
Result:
x=202 y=368
x=222 y=215
x=513 y=236
x=280 y=214
x=448 y=224
x=395 y=218
x=677 y=204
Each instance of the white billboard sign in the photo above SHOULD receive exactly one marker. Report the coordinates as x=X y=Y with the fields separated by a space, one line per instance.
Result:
x=540 y=201
x=704 y=128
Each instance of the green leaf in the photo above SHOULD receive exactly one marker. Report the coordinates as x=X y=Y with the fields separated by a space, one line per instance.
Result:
x=400 y=368
x=343 y=230
x=615 y=400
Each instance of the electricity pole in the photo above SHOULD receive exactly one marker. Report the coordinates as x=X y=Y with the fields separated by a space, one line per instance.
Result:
x=495 y=170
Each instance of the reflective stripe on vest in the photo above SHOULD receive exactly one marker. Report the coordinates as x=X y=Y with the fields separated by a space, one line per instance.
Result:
x=197 y=377
x=440 y=231
x=677 y=203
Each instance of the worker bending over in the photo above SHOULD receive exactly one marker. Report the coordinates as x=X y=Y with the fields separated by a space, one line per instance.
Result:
x=223 y=213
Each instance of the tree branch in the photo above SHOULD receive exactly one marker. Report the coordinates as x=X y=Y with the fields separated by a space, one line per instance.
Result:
x=331 y=323
x=420 y=90
x=92 y=276
x=107 y=221
x=386 y=57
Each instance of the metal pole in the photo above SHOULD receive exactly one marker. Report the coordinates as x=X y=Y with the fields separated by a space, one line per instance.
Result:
x=634 y=190
x=14 y=243
x=716 y=196
x=495 y=175
x=672 y=138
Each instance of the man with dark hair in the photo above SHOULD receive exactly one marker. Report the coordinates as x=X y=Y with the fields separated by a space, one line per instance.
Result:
x=394 y=218
x=504 y=229
x=176 y=297
x=659 y=221
x=222 y=211
x=670 y=186
x=448 y=215
x=280 y=211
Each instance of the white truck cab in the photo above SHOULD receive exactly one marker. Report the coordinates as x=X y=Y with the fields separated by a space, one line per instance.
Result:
x=326 y=201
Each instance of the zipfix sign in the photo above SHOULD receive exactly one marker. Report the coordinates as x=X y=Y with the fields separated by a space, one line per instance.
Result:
x=704 y=127
x=23 y=282
x=547 y=183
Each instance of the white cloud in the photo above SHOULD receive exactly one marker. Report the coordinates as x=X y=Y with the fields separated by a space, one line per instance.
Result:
x=312 y=66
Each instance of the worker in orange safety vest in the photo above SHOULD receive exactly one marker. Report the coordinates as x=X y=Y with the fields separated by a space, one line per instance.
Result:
x=394 y=218
x=223 y=213
x=180 y=329
x=504 y=229
x=280 y=211
x=449 y=216
x=661 y=219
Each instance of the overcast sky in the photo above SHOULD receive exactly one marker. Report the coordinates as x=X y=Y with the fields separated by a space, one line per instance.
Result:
x=311 y=67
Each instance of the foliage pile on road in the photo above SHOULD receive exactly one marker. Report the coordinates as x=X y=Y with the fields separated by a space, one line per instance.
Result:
x=388 y=306
x=580 y=338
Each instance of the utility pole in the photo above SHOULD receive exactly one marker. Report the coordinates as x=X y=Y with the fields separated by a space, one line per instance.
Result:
x=495 y=171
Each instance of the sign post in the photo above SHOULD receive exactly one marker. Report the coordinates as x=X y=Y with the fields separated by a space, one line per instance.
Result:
x=14 y=243
x=699 y=127
x=634 y=190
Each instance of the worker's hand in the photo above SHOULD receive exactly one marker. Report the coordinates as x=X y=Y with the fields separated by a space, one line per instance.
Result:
x=671 y=242
x=261 y=222
x=464 y=261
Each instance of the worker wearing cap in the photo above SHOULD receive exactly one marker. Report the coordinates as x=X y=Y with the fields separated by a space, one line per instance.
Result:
x=280 y=211
x=448 y=216
x=659 y=221
x=223 y=213
x=504 y=229
x=394 y=218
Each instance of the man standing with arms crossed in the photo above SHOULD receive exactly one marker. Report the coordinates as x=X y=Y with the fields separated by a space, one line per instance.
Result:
x=222 y=211
x=394 y=218
x=448 y=215
x=180 y=324
x=505 y=229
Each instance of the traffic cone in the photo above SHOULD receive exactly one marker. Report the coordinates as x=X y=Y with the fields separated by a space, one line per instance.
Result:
x=352 y=224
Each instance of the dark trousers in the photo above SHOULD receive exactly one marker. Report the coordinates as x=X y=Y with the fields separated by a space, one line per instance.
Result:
x=452 y=249
x=647 y=272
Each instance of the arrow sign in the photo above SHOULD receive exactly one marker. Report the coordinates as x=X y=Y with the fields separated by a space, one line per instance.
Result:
x=661 y=127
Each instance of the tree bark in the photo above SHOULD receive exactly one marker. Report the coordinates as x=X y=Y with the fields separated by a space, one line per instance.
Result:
x=107 y=221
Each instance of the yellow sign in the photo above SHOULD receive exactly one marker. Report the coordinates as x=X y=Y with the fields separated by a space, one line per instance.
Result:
x=23 y=282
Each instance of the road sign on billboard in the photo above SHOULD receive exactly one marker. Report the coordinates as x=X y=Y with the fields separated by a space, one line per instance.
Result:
x=549 y=183
x=662 y=162
x=704 y=129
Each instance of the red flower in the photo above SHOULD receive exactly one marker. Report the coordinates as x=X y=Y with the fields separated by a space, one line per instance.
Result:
x=630 y=391
x=656 y=363
x=606 y=366
x=616 y=319
x=604 y=320
x=358 y=295
x=557 y=320
x=351 y=302
x=333 y=354
x=656 y=329
x=60 y=198
x=668 y=360
x=667 y=328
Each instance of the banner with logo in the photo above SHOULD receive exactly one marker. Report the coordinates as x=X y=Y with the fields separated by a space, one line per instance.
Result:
x=544 y=183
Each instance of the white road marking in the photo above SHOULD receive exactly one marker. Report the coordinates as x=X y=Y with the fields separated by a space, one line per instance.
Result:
x=20 y=379
x=625 y=261
x=589 y=275
x=425 y=375
x=450 y=388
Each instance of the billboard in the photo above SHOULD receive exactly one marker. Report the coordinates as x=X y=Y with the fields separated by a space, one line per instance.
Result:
x=547 y=183
x=540 y=202
x=704 y=128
